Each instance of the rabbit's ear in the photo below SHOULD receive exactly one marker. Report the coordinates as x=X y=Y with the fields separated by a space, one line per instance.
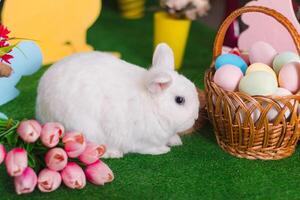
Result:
x=163 y=57
x=158 y=81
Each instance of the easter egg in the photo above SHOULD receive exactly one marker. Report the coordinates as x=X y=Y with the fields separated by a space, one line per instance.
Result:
x=27 y=59
x=260 y=67
x=241 y=115
x=231 y=59
x=228 y=77
x=2 y=116
x=281 y=92
x=289 y=77
x=272 y=114
x=262 y=52
x=281 y=59
x=258 y=83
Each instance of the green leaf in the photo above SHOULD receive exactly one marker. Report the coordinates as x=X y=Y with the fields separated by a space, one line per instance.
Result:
x=18 y=38
x=5 y=50
x=8 y=134
x=29 y=147
x=12 y=138
x=31 y=160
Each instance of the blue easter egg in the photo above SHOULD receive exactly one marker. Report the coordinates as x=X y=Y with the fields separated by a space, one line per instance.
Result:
x=231 y=59
x=27 y=58
x=8 y=93
x=2 y=116
x=13 y=79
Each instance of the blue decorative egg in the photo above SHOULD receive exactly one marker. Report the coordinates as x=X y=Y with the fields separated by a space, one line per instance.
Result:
x=231 y=59
x=2 y=116
x=27 y=60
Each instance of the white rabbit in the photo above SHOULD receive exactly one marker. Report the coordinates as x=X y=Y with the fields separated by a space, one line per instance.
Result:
x=123 y=106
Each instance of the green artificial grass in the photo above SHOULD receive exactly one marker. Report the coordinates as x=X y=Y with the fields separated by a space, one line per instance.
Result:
x=197 y=170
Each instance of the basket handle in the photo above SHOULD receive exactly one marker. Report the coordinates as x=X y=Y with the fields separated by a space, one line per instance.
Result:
x=273 y=13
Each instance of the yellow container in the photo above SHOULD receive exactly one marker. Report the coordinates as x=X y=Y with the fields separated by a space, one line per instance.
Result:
x=132 y=9
x=172 y=31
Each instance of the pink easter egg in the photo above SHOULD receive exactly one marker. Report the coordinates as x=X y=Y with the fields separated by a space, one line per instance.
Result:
x=289 y=77
x=228 y=77
x=262 y=52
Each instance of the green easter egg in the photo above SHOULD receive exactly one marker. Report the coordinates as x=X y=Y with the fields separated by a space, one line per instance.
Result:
x=284 y=58
x=258 y=83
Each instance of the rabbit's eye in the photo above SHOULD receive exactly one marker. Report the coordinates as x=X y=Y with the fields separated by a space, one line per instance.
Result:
x=179 y=100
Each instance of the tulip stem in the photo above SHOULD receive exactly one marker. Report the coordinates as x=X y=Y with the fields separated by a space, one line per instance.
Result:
x=7 y=127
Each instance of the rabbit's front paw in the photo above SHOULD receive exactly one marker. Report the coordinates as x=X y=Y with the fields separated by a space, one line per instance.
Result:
x=113 y=154
x=175 y=141
x=157 y=150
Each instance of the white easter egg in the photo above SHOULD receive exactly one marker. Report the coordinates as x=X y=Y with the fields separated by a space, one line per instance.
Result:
x=272 y=114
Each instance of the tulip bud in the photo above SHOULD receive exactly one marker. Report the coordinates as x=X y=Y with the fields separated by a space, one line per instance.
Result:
x=29 y=131
x=99 y=173
x=75 y=144
x=56 y=159
x=73 y=176
x=51 y=133
x=92 y=153
x=48 y=180
x=16 y=161
x=26 y=182
x=2 y=153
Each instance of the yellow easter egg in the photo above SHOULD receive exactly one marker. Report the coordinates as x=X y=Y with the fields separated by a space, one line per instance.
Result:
x=260 y=67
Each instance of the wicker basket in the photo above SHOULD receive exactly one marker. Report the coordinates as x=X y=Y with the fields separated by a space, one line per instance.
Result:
x=237 y=130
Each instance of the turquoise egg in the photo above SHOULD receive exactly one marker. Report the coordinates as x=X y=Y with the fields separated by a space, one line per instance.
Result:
x=258 y=83
x=2 y=116
x=284 y=58
x=231 y=59
x=27 y=59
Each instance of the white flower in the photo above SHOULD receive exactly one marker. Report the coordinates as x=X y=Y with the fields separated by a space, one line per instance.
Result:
x=190 y=9
x=201 y=8
x=177 y=4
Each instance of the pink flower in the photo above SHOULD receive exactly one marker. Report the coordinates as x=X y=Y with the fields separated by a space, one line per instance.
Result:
x=92 y=153
x=73 y=176
x=56 y=159
x=29 y=130
x=16 y=161
x=4 y=32
x=51 y=133
x=26 y=182
x=99 y=173
x=49 y=180
x=2 y=153
x=75 y=144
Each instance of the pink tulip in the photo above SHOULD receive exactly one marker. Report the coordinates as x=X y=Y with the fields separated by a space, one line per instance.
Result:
x=56 y=159
x=26 y=182
x=51 y=133
x=16 y=161
x=75 y=144
x=49 y=180
x=2 y=153
x=99 y=173
x=73 y=176
x=92 y=153
x=29 y=130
